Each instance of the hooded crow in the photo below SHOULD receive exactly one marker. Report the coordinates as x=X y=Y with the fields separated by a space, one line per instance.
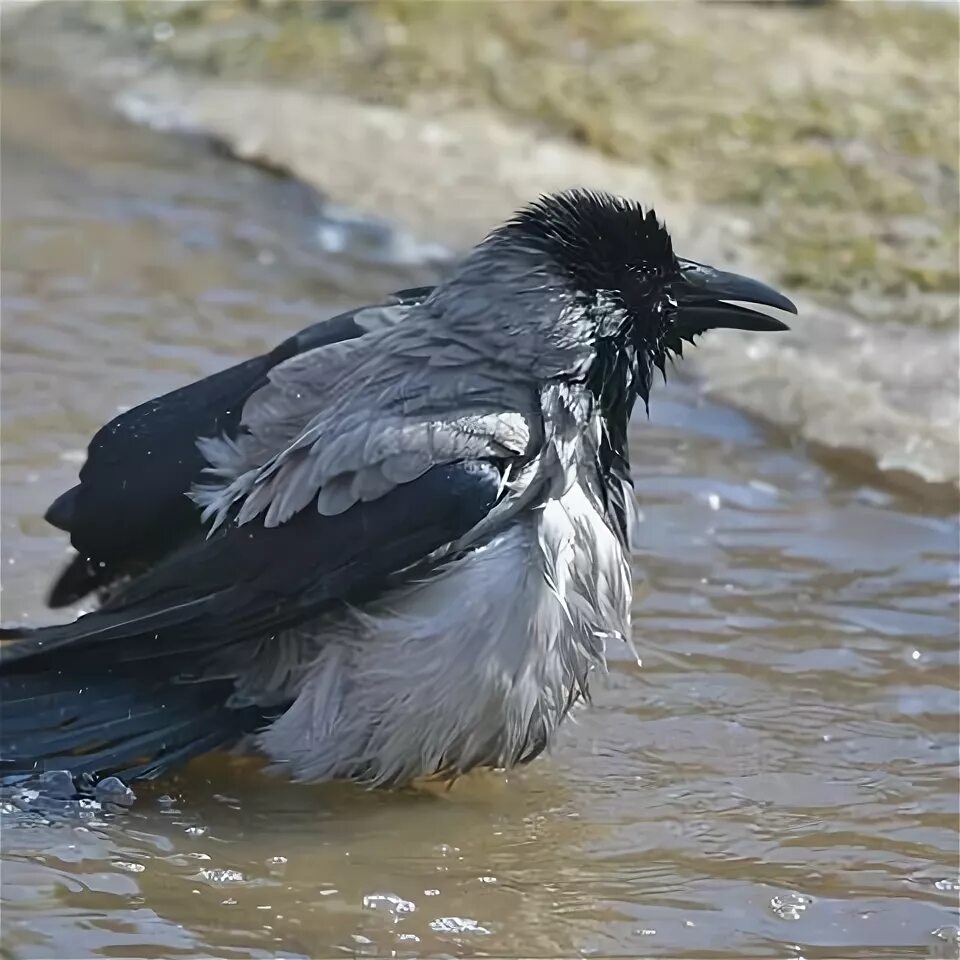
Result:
x=392 y=548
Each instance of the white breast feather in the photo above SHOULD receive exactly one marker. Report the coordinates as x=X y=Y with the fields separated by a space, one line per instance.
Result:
x=468 y=667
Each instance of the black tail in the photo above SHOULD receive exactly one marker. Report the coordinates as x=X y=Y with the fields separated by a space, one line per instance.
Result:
x=76 y=708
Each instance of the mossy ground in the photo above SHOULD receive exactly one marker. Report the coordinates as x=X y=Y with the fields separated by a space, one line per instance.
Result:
x=832 y=127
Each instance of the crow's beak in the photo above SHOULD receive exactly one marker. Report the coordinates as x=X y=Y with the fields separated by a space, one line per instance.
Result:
x=702 y=294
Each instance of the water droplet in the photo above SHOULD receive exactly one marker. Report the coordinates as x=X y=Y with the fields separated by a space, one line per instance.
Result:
x=790 y=906
x=915 y=655
x=114 y=790
x=221 y=875
x=57 y=783
x=388 y=903
x=763 y=487
x=713 y=501
x=457 y=925
x=163 y=31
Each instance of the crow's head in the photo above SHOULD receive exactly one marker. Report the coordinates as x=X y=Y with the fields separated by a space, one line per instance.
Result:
x=610 y=268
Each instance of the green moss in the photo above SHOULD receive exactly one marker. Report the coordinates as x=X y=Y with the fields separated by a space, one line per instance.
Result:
x=827 y=126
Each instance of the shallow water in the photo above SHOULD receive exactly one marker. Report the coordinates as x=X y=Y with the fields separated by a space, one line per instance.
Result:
x=778 y=778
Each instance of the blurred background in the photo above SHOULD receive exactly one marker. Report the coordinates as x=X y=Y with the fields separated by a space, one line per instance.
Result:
x=186 y=183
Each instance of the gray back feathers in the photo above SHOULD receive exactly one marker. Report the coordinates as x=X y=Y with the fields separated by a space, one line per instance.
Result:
x=456 y=377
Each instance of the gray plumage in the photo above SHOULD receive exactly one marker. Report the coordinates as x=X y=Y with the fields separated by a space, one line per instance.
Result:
x=470 y=648
x=477 y=662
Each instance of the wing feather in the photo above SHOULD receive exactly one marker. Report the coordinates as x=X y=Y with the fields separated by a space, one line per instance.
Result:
x=346 y=422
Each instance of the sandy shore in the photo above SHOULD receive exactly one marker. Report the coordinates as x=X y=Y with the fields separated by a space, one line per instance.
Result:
x=882 y=395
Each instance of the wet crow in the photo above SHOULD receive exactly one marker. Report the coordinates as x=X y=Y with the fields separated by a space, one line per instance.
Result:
x=393 y=547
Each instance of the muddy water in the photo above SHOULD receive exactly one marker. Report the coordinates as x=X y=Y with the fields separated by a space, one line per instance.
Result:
x=778 y=778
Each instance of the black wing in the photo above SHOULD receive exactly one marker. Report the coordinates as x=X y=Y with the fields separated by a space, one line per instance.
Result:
x=130 y=508
x=122 y=689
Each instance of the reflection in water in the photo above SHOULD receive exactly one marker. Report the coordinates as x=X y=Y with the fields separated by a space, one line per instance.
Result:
x=778 y=777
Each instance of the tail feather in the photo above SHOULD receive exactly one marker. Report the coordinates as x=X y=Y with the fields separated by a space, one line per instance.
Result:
x=133 y=625
x=82 y=709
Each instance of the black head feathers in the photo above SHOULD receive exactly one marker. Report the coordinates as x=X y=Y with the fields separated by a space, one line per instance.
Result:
x=606 y=242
